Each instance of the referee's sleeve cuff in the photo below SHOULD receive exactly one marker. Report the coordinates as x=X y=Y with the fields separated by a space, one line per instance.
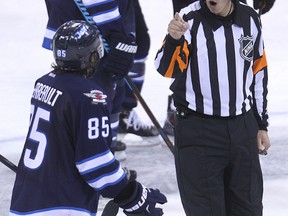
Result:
x=263 y=127
x=174 y=42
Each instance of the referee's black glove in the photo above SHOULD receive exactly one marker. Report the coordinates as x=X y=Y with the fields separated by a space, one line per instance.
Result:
x=265 y=5
x=121 y=56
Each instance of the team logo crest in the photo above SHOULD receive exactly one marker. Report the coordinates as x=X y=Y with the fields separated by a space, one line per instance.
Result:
x=246 y=47
x=97 y=96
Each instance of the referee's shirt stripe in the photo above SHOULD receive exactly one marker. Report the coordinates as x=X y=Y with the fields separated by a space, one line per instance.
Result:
x=211 y=46
x=233 y=79
x=223 y=74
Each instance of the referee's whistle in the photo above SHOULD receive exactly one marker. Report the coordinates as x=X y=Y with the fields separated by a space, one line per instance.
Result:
x=263 y=151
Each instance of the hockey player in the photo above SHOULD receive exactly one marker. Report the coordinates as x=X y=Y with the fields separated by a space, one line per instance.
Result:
x=129 y=120
x=264 y=5
x=66 y=163
x=113 y=28
x=215 y=53
x=119 y=22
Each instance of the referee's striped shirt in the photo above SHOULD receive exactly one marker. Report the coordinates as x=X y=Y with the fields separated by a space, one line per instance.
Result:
x=219 y=65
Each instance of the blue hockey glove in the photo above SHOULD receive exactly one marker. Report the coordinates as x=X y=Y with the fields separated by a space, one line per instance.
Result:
x=121 y=56
x=265 y=5
x=141 y=200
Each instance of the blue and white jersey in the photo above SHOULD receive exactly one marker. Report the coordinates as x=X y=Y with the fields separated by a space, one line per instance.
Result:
x=105 y=13
x=66 y=161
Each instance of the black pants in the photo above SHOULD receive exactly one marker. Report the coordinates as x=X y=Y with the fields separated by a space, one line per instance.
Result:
x=217 y=165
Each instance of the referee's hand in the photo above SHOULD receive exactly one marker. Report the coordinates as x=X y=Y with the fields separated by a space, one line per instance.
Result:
x=177 y=27
x=263 y=142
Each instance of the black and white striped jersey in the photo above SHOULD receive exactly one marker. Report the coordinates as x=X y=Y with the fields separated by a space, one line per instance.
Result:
x=219 y=66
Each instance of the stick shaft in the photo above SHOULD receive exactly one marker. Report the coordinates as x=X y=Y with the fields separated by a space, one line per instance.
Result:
x=8 y=163
x=138 y=96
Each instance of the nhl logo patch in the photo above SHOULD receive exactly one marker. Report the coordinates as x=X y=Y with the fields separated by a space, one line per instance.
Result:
x=97 y=96
x=246 y=47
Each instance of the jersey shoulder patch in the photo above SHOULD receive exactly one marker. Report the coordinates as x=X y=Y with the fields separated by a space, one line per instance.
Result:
x=97 y=96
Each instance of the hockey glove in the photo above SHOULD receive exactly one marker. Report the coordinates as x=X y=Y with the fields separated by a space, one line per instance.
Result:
x=137 y=200
x=265 y=5
x=121 y=55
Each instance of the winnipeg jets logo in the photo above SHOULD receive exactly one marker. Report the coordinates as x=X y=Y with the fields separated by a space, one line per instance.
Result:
x=246 y=47
x=97 y=96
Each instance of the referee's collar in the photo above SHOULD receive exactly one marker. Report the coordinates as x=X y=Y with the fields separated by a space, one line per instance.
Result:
x=217 y=21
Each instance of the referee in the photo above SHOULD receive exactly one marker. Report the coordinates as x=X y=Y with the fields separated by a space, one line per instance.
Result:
x=214 y=52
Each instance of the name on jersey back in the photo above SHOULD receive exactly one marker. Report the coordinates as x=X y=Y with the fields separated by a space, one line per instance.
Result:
x=46 y=94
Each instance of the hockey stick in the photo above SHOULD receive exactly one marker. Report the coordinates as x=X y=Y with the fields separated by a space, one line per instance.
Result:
x=128 y=80
x=138 y=96
x=8 y=163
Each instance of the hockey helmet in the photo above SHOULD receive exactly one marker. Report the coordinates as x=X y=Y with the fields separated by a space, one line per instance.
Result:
x=73 y=44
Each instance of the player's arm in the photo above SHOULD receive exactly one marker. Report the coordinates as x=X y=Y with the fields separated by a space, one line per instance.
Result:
x=122 y=41
x=102 y=171
x=94 y=160
x=58 y=12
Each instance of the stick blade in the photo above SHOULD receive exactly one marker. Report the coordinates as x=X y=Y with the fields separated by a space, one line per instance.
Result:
x=111 y=209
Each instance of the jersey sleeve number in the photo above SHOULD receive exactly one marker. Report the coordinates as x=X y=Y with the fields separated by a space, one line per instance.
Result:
x=96 y=126
x=38 y=137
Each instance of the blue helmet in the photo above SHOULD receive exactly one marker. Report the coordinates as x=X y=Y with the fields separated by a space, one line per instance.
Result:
x=74 y=43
